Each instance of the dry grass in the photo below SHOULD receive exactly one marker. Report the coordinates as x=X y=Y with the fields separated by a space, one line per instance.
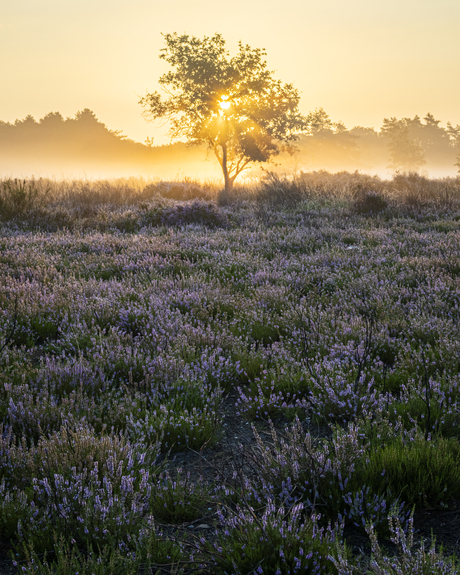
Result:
x=52 y=204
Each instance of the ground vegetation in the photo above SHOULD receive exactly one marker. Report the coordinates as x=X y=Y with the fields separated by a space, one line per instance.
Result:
x=258 y=382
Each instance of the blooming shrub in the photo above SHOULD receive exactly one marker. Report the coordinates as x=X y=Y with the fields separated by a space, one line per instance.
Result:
x=409 y=561
x=126 y=336
x=420 y=561
x=94 y=488
x=274 y=543
x=324 y=475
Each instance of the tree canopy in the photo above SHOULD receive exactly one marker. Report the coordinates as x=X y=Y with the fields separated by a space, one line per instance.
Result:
x=406 y=152
x=233 y=104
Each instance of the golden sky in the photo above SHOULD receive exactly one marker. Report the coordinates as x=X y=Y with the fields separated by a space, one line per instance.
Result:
x=361 y=60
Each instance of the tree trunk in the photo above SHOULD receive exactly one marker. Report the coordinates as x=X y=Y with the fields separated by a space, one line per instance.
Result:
x=227 y=179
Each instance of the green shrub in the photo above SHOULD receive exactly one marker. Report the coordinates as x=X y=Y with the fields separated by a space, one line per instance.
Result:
x=15 y=509
x=178 y=499
x=277 y=542
x=67 y=559
x=418 y=472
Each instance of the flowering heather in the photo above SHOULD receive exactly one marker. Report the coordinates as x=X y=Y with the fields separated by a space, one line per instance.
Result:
x=277 y=542
x=329 y=333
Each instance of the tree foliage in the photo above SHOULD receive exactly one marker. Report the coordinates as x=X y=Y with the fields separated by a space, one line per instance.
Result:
x=406 y=152
x=233 y=104
x=328 y=144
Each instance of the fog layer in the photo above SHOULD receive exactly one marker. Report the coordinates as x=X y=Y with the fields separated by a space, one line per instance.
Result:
x=83 y=146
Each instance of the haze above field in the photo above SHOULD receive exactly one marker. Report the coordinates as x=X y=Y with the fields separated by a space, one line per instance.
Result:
x=361 y=61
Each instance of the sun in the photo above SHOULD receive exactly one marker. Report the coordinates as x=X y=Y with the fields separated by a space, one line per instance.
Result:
x=224 y=104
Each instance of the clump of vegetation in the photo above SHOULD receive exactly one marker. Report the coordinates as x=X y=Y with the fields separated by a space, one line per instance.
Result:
x=420 y=472
x=278 y=541
x=19 y=198
x=196 y=212
x=152 y=552
x=281 y=191
x=410 y=559
x=182 y=191
x=369 y=202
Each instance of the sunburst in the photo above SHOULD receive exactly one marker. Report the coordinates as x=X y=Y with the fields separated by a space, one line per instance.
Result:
x=224 y=103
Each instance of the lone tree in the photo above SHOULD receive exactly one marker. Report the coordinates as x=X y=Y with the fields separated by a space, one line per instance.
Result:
x=234 y=105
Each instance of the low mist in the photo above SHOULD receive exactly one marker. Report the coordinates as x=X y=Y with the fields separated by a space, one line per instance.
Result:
x=83 y=147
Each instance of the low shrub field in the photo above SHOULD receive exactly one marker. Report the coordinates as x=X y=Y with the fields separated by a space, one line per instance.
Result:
x=265 y=381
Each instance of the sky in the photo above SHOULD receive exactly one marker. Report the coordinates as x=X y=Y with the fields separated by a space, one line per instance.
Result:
x=360 y=60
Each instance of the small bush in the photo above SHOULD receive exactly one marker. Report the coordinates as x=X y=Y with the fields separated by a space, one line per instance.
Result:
x=53 y=218
x=181 y=191
x=275 y=543
x=67 y=450
x=236 y=194
x=17 y=198
x=369 y=202
x=152 y=216
x=281 y=191
x=196 y=212
x=409 y=560
x=419 y=473
x=319 y=473
x=15 y=509
x=415 y=190
x=68 y=559
x=178 y=499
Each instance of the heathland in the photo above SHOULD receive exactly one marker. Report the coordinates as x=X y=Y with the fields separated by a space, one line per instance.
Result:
x=260 y=381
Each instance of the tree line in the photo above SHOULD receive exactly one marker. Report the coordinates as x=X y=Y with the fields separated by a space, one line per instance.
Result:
x=404 y=144
x=401 y=144
x=79 y=145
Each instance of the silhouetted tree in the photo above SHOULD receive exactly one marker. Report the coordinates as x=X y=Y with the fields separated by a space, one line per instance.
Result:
x=434 y=140
x=318 y=122
x=328 y=143
x=405 y=152
x=454 y=137
x=453 y=133
x=77 y=143
x=53 y=119
x=234 y=105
